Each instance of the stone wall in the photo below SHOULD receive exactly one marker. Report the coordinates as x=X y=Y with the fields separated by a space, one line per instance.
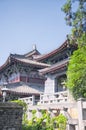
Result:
x=10 y=116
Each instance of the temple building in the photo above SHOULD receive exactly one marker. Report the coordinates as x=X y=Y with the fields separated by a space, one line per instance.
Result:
x=39 y=81
x=33 y=73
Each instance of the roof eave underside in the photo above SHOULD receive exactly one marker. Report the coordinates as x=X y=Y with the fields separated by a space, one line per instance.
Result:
x=20 y=60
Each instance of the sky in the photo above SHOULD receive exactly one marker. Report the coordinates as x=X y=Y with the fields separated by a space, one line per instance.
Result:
x=24 y=23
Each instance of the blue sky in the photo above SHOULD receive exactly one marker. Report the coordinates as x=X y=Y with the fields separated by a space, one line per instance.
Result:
x=27 y=22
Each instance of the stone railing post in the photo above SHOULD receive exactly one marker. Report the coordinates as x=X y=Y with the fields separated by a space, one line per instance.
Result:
x=33 y=100
x=80 y=113
x=29 y=113
x=38 y=113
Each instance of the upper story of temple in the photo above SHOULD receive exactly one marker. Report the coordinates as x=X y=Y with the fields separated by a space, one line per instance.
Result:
x=59 y=54
x=33 y=67
x=26 y=67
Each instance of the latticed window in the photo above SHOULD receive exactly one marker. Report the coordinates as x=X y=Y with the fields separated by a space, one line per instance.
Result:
x=61 y=83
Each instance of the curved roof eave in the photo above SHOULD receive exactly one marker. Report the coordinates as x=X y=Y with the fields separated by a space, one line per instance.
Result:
x=55 y=67
x=31 y=62
x=5 y=64
x=31 y=53
x=52 y=52
x=22 y=60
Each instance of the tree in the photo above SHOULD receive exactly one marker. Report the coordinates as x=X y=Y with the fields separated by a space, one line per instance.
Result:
x=76 y=74
x=75 y=11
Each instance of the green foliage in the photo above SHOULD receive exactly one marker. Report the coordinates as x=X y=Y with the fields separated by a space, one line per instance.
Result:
x=43 y=112
x=75 y=11
x=46 y=122
x=76 y=75
x=62 y=120
x=66 y=8
x=82 y=40
x=33 y=112
x=43 y=123
x=21 y=103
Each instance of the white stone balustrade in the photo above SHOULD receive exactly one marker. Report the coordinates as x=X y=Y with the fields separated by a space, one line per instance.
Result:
x=29 y=100
x=47 y=98
x=54 y=98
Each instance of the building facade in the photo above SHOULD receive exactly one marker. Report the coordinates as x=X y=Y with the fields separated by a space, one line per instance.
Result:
x=39 y=81
x=33 y=73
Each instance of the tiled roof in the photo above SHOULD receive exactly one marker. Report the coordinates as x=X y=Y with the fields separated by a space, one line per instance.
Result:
x=25 y=60
x=22 y=88
x=41 y=57
x=56 y=51
x=31 y=53
x=54 y=67
x=35 y=57
x=21 y=59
